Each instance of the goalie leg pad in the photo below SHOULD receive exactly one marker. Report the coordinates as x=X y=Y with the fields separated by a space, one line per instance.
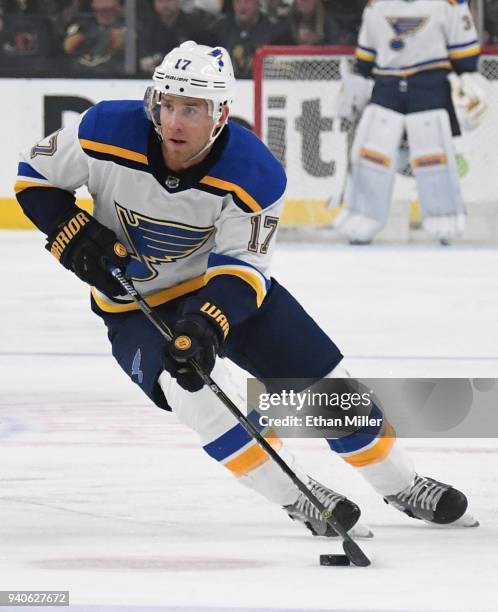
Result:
x=373 y=166
x=433 y=158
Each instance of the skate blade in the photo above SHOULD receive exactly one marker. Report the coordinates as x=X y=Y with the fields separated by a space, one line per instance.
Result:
x=466 y=521
x=360 y=530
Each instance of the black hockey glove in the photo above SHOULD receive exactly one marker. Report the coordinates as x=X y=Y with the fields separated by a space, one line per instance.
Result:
x=199 y=337
x=86 y=247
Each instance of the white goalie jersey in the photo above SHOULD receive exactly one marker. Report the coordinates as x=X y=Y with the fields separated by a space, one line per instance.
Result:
x=401 y=37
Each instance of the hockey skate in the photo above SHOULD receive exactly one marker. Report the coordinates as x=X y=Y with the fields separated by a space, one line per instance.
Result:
x=433 y=502
x=344 y=510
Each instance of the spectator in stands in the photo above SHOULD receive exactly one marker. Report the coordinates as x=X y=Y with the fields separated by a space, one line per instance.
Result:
x=3 y=38
x=96 y=42
x=347 y=14
x=242 y=32
x=276 y=10
x=207 y=8
x=491 y=22
x=308 y=24
x=168 y=27
x=25 y=43
x=62 y=13
x=19 y=6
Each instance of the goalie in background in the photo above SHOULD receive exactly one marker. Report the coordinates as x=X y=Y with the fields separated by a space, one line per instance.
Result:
x=411 y=49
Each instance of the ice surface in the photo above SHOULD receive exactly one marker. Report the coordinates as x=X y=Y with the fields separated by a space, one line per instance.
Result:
x=106 y=496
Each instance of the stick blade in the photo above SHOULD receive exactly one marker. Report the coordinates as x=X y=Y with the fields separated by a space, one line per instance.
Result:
x=355 y=554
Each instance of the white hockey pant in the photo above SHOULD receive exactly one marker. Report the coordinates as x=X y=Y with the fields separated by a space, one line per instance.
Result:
x=225 y=440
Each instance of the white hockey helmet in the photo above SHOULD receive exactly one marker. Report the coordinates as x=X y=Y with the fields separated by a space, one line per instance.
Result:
x=193 y=71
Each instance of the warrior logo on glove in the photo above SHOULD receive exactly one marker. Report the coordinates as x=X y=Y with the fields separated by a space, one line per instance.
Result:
x=87 y=248
x=67 y=233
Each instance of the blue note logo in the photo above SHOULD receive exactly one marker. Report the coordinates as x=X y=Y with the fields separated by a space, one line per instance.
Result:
x=135 y=367
x=403 y=27
x=218 y=54
x=154 y=242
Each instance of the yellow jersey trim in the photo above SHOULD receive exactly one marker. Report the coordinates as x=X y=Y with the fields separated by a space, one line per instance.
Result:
x=250 y=278
x=411 y=71
x=465 y=52
x=363 y=55
x=156 y=299
x=22 y=185
x=237 y=189
x=101 y=147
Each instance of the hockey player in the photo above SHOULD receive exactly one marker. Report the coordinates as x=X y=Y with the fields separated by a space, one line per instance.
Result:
x=410 y=47
x=196 y=201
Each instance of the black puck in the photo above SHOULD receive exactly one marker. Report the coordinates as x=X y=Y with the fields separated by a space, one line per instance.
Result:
x=334 y=560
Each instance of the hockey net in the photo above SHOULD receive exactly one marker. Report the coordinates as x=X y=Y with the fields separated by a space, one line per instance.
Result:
x=295 y=93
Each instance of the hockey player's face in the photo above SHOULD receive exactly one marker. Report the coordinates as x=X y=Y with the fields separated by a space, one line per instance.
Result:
x=186 y=127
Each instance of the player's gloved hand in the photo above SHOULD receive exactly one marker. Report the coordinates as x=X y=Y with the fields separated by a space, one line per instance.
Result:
x=86 y=247
x=195 y=337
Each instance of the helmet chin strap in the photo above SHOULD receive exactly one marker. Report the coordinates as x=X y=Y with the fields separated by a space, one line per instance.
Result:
x=212 y=137
x=210 y=141
x=215 y=132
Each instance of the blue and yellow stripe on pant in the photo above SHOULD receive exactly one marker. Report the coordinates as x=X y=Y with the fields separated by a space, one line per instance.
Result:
x=238 y=452
x=368 y=445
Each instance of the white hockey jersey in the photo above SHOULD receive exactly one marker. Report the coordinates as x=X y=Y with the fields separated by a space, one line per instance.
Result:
x=182 y=230
x=403 y=37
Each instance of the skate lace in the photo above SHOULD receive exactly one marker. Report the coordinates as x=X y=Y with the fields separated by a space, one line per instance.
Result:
x=326 y=496
x=424 y=493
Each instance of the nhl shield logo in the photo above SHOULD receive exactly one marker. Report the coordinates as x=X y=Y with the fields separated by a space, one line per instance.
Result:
x=172 y=182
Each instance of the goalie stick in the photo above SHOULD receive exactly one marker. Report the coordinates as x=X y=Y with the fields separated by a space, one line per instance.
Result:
x=351 y=548
x=337 y=199
x=348 y=125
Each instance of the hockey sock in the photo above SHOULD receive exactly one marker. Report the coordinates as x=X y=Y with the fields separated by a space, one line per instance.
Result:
x=226 y=441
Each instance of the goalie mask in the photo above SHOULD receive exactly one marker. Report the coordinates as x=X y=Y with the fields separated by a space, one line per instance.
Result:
x=193 y=71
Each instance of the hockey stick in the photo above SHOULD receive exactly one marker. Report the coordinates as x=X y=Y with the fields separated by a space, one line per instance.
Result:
x=351 y=548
